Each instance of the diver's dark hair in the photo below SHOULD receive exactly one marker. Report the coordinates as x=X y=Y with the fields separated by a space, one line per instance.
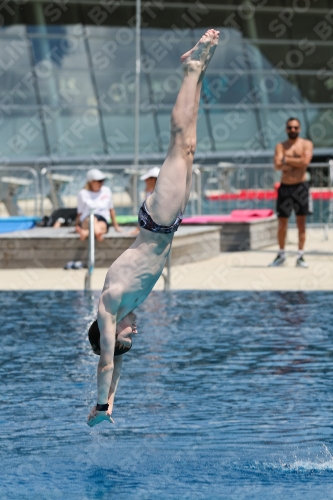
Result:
x=291 y=119
x=94 y=336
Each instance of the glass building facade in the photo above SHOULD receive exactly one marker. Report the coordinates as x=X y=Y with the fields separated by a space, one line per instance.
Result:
x=67 y=73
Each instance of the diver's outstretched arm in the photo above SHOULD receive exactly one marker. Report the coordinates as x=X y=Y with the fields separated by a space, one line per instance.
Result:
x=118 y=361
x=107 y=327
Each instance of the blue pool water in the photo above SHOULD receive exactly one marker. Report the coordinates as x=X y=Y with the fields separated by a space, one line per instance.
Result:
x=225 y=395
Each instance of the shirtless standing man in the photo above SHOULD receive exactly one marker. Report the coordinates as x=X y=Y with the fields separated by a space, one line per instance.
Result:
x=133 y=275
x=292 y=157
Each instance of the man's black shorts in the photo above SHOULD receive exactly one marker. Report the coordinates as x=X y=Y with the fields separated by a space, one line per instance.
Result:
x=293 y=197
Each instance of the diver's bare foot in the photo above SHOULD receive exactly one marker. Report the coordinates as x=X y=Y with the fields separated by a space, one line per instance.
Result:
x=214 y=44
x=195 y=58
x=84 y=233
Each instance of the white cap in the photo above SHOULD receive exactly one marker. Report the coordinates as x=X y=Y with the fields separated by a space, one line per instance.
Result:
x=95 y=175
x=153 y=172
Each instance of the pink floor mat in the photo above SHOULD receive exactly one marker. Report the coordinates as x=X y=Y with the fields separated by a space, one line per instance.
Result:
x=235 y=216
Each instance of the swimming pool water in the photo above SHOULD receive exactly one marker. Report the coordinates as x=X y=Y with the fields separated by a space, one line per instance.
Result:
x=225 y=395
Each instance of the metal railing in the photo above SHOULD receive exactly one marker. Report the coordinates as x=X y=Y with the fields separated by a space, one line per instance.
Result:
x=216 y=189
x=219 y=189
x=19 y=191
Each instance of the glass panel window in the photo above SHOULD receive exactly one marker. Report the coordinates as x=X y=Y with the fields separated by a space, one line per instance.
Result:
x=106 y=32
x=14 y=53
x=73 y=132
x=115 y=53
x=108 y=14
x=165 y=87
x=225 y=88
x=165 y=47
x=17 y=87
x=66 y=88
x=65 y=51
x=276 y=88
x=307 y=25
x=273 y=25
x=267 y=55
x=117 y=88
x=165 y=50
x=320 y=129
x=263 y=71
x=120 y=128
x=234 y=129
x=21 y=132
x=304 y=55
x=318 y=87
x=14 y=29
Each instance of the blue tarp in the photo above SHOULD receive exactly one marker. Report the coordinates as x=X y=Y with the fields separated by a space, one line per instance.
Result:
x=10 y=224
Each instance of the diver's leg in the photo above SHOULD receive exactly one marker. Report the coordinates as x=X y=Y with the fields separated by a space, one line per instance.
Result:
x=212 y=49
x=169 y=194
x=282 y=232
x=301 y=226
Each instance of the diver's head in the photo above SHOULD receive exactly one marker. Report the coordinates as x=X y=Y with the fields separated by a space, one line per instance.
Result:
x=94 y=335
x=124 y=330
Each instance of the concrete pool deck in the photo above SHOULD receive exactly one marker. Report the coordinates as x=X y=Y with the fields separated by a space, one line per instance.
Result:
x=227 y=271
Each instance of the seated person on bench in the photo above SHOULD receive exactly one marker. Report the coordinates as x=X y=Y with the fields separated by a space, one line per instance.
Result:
x=97 y=198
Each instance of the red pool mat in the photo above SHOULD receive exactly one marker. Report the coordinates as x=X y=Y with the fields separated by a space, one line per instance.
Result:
x=260 y=194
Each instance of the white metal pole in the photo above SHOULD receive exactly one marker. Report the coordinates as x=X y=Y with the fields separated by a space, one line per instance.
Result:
x=91 y=253
x=167 y=278
x=137 y=103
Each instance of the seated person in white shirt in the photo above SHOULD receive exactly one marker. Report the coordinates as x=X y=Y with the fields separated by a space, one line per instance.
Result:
x=97 y=198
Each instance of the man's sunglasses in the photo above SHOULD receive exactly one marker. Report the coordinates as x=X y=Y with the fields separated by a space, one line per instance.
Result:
x=292 y=128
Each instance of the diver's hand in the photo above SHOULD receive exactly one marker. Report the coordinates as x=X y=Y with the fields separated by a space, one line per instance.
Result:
x=96 y=417
x=122 y=342
x=124 y=337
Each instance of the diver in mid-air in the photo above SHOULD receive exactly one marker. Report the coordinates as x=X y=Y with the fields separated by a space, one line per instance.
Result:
x=133 y=275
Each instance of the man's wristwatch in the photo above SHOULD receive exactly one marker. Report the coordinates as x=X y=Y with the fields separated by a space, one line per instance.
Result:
x=102 y=407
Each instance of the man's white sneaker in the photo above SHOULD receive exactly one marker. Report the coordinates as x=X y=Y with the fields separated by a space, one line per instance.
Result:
x=278 y=261
x=300 y=262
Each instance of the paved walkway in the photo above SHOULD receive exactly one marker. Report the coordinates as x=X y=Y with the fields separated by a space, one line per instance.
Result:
x=228 y=271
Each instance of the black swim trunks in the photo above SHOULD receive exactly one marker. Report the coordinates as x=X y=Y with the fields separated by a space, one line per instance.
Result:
x=293 y=197
x=100 y=218
x=147 y=222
